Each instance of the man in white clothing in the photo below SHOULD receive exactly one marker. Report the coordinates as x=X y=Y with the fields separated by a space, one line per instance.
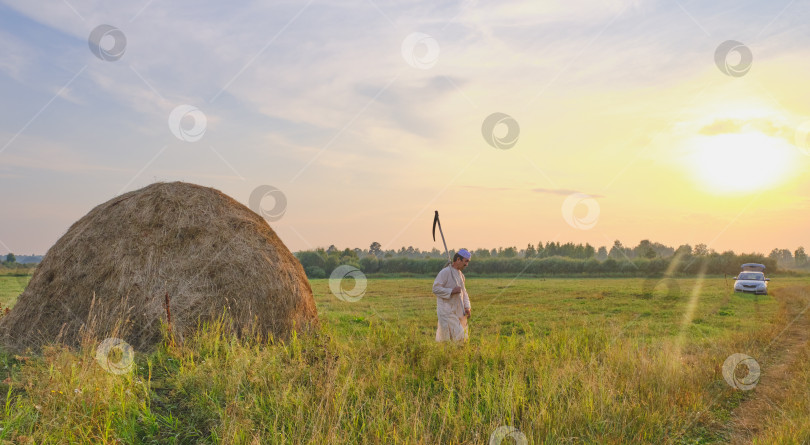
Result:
x=452 y=300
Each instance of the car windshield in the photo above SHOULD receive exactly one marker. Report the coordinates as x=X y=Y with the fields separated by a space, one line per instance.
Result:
x=751 y=276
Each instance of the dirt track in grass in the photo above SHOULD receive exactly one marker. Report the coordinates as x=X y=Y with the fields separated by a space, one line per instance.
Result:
x=780 y=357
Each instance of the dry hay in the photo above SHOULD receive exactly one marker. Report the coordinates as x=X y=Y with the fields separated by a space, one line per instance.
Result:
x=111 y=272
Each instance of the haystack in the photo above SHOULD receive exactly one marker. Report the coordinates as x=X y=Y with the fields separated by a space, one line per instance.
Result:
x=206 y=254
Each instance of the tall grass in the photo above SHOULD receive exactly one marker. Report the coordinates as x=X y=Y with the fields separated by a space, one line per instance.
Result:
x=368 y=382
x=790 y=423
x=391 y=387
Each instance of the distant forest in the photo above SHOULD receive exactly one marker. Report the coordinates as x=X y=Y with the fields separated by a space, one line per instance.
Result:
x=11 y=261
x=553 y=258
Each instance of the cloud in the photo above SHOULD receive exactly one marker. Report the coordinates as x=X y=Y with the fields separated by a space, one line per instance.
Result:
x=564 y=192
x=721 y=127
x=517 y=13
x=767 y=126
x=17 y=56
x=53 y=158
x=494 y=189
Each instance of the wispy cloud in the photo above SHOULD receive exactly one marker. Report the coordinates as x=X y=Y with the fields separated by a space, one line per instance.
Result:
x=564 y=192
x=762 y=125
x=485 y=188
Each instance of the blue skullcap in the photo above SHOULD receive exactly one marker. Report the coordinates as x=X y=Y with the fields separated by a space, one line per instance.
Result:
x=465 y=253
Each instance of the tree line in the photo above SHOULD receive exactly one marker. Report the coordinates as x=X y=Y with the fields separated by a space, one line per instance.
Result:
x=10 y=261
x=552 y=258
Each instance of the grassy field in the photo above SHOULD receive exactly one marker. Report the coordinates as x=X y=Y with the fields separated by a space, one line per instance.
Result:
x=551 y=360
x=11 y=285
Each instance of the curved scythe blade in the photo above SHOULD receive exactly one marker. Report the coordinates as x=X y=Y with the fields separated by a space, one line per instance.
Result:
x=437 y=223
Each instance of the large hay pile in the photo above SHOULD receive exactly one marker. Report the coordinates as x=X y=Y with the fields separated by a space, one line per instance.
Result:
x=111 y=272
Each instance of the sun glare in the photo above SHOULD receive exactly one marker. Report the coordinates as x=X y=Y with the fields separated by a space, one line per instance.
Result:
x=741 y=162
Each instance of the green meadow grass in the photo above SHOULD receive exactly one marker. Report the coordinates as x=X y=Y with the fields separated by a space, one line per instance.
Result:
x=561 y=360
x=12 y=285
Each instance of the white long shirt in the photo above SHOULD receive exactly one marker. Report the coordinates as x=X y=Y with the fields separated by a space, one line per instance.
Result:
x=447 y=304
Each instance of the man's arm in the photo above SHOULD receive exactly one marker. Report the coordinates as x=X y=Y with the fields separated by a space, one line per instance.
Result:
x=439 y=285
x=466 y=299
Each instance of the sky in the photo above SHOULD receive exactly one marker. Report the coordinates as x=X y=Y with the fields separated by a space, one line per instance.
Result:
x=681 y=122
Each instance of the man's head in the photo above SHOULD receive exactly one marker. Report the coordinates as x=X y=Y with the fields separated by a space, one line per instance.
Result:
x=461 y=259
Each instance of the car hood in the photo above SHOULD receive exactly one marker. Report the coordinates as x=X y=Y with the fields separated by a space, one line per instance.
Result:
x=749 y=282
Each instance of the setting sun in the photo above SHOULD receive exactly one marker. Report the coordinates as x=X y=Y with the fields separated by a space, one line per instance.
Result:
x=740 y=162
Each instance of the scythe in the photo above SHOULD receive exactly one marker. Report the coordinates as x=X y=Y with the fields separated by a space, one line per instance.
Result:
x=437 y=223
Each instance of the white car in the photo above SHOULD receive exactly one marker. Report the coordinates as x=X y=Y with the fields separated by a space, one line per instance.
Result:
x=754 y=282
